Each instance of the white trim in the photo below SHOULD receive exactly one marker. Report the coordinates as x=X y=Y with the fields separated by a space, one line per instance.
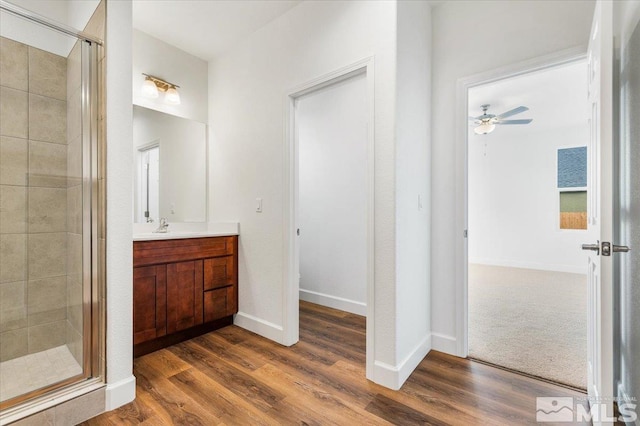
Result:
x=394 y=376
x=572 y=269
x=444 y=343
x=120 y=393
x=335 y=302
x=259 y=326
x=291 y=290
x=563 y=57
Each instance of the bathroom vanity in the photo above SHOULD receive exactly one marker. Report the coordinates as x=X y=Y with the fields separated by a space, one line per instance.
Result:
x=182 y=287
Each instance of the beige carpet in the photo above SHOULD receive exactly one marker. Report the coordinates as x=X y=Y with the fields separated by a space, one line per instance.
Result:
x=530 y=321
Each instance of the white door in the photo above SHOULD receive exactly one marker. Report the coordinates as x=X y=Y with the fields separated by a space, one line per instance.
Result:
x=600 y=213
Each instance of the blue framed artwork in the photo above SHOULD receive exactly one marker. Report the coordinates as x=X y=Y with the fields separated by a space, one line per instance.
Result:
x=572 y=167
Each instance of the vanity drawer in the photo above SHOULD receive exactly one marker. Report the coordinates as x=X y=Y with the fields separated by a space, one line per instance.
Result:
x=220 y=303
x=167 y=251
x=219 y=272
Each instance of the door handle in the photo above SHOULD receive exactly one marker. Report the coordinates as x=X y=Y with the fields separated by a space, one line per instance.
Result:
x=593 y=247
x=620 y=249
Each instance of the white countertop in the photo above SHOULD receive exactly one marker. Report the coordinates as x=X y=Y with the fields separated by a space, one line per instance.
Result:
x=144 y=232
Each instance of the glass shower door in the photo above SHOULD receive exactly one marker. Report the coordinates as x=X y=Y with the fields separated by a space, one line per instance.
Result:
x=47 y=111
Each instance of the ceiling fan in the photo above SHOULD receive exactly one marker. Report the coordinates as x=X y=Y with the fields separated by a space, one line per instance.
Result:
x=487 y=122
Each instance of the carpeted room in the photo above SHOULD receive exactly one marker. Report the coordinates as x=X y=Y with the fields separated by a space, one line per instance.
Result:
x=527 y=287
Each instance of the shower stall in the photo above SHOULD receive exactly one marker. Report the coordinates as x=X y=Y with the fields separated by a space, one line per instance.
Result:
x=51 y=288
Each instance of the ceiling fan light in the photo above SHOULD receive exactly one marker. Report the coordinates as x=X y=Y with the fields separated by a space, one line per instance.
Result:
x=484 y=128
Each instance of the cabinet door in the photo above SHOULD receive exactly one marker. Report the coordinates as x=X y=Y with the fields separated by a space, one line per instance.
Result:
x=219 y=272
x=220 y=303
x=184 y=295
x=149 y=303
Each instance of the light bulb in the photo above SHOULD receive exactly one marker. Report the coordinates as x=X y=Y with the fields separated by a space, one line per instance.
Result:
x=484 y=128
x=172 y=96
x=149 y=88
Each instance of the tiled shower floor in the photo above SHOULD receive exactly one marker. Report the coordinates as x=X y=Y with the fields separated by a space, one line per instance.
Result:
x=34 y=371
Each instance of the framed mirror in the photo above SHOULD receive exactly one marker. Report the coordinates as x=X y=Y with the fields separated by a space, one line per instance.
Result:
x=170 y=178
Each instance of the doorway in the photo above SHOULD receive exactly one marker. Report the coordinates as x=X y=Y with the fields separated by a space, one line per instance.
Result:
x=330 y=251
x=527 y=211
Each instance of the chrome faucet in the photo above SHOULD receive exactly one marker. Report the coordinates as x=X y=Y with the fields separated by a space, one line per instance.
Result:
x=162 y=228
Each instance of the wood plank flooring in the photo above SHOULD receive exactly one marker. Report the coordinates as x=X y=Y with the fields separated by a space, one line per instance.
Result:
x=234 y=377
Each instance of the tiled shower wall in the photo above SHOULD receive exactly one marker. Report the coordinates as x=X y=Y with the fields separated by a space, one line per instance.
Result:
x=36 y=224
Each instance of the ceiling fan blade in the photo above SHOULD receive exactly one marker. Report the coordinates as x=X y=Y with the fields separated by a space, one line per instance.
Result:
x=474 y=118
x=513 y=112
x=523 y=121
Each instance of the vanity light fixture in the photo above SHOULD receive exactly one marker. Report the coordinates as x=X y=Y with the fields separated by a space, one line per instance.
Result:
x=152 y=85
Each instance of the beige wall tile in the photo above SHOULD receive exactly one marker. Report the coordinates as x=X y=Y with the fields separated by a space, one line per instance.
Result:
x=46 y=336
x=13 y=305
x=13 y=209
x=74 y=70
x=74 y=343
x=47 y=74
x=47 y=119
x=74 y=162
x=74 y=301
x=14 y=64
x=74 y=209
x=74 y=254
x=83 y=408
x=47 y=210
x=13 y=257
x=14 y=344
x=47 y=254
x=47 y=300
x=47 y=164
x=14 y=113
x=74 y=115
x=96 y=24
x=14 y=160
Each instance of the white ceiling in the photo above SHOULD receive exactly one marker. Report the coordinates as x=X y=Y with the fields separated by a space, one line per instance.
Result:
x=556 y=98
x=205 y=28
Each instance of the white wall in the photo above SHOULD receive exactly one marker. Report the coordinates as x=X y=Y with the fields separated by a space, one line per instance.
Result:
x=183 y=163
x=514 y=217
x=120 y=380
x=332 y=149
x=470 y=37
x=628 y=293
x=413 y=177
x=157 y=58
x=247 y=99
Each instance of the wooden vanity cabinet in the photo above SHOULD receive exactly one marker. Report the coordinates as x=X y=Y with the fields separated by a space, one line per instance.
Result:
x=182 y=288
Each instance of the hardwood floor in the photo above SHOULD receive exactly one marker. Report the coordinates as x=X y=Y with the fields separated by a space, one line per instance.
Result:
x=234 y=377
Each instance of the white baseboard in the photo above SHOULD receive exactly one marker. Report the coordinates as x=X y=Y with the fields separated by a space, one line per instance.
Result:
x=259 y=326
x=444 y=343
x=335 y=302
x=573 y=269
x=624 y=396
x=393 y=377
x=120 y=393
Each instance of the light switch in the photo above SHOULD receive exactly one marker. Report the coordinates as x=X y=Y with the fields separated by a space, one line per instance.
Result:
x=419 y=202
x=259 y=205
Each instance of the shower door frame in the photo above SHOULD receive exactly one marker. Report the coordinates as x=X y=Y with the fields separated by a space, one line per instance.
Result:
x=93 y=214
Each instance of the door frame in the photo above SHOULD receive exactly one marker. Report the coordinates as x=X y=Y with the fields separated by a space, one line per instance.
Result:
x=291 y=293
x=559 y=58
